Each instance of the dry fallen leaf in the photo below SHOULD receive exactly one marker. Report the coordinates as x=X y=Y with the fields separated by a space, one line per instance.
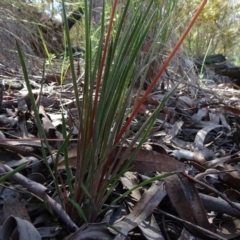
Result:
x=143 y=208
x=15 y=226
x=185 y=199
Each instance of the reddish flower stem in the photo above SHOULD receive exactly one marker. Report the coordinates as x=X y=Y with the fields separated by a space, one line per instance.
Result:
x=154 y=81
x=158 y=75
x=100 y=73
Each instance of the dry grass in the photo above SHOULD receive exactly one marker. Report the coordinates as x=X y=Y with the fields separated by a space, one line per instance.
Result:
x=21 y=22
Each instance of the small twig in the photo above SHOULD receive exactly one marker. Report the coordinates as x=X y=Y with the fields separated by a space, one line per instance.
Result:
x=212 y=190
x=160 y=72
x=164 y=227
x=191 y=224
x=40 y=191
x=218 y=205
x=18 y=150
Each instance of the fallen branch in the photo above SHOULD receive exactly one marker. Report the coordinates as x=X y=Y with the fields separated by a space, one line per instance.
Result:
x=40 y=191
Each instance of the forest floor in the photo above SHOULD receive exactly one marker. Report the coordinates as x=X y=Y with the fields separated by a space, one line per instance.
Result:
x=197 y=133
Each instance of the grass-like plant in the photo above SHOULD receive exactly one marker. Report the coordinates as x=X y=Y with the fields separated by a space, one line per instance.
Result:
x=103 y=113
x=104 y=109
x=110 y=75
x=111 y=72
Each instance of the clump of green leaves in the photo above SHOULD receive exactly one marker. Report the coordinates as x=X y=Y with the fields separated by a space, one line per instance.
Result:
x=111 y=69
x=110 y=75
x=217 y=24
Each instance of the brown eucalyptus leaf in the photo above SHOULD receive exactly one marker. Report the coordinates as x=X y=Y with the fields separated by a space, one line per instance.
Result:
x=143 y=208
x=202 y=134
x=19 y=229
x=150 y=161
x=145 y=161
x=149 y=226
x=185 y=199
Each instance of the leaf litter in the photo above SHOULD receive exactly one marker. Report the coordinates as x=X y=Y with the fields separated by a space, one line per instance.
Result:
x=196 y=135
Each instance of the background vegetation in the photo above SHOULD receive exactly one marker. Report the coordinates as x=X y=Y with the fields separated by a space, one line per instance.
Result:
x=217 y=26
